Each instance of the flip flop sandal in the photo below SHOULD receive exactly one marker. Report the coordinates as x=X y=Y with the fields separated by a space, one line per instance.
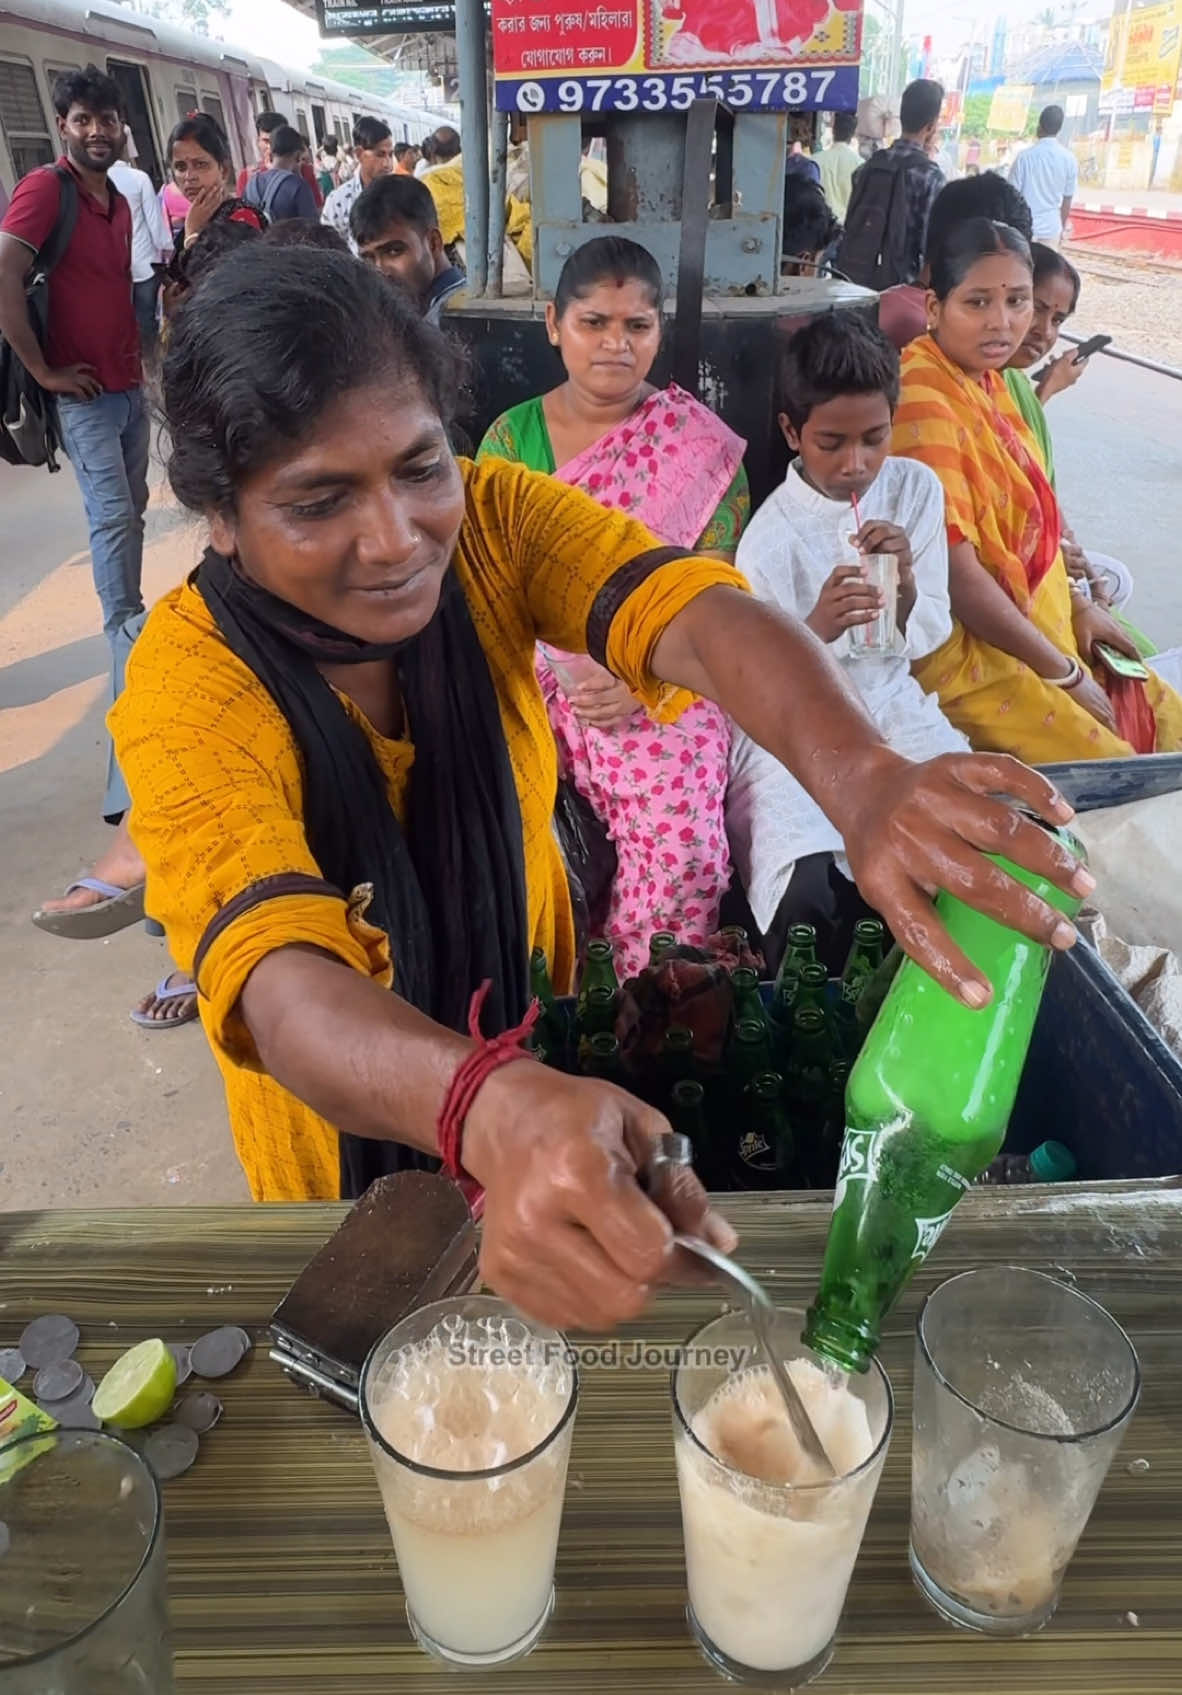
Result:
x=163 y=993
x=117 y=909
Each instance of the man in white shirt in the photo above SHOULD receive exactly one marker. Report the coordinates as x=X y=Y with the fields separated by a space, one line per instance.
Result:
x=840 y=386
x=374 y=146
x=1046 y=176
x=151 y=243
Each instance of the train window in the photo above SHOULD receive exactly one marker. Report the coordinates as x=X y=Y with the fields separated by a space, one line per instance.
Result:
x=186 y=102
x=302 y=122
x=318 y=123
x=22 y=119
x=213 y=108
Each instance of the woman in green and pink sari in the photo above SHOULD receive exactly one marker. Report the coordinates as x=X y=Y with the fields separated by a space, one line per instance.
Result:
x=657 y=786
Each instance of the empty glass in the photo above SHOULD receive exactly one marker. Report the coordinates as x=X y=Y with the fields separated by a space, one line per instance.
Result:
x=1023 y=1390
x=469 y=1410
x=768 y=1563
x=83 y=1599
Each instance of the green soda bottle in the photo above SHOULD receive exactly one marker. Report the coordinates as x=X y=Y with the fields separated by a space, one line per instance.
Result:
x=687 y=1114
x=677 y=1057
x=763 y=1156
x=599 y=972
x=659 y=944
x=806 y=1082
x=801 y=951
x=813 y=989
x=927 y=1107
x=748 y=1003
x=864 y=958
x=603 y=1059
x=735 y=938
x=597 y=1013
x=748 y=1052
x=551 y=1031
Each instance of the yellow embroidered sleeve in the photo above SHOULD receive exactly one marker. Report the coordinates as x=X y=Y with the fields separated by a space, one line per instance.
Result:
x=573 y=560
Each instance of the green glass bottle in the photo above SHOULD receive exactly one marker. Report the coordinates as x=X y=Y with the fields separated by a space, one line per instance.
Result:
x=687 y=1115
x=735 y=938
x=748 y=1052
x=863 y=960
x=826 y=1150
x=659 y=944
x=603 y=1058
x=813 y=988
x=597 y=1013
x=552 y=1030
x=677 y=1056
x=806 y=1081
x=927 y=1107
x=748 y=1003
x=599 y=970
x=764 y=1152
x=801 y=951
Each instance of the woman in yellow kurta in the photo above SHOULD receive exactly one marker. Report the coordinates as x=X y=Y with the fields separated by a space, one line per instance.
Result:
x=342 y=773
x=1014 y=675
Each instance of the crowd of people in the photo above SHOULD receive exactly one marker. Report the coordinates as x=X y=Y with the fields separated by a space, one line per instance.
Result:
x=338 y=745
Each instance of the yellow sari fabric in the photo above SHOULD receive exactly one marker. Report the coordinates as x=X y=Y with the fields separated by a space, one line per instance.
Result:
x=957 y=426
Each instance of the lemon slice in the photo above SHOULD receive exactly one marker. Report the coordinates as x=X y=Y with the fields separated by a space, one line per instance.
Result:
x=139 y=1387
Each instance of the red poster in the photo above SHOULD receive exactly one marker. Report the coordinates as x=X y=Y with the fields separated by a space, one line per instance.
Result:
x=653 y=55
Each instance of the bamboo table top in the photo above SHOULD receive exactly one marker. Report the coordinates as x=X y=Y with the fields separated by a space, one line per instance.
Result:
x=282 y=1574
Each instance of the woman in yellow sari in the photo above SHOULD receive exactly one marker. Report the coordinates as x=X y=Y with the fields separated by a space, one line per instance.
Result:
x=1014 y=675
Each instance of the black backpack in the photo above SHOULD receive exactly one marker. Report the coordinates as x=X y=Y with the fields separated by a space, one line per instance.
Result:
x=29 y=429
x=873 y=250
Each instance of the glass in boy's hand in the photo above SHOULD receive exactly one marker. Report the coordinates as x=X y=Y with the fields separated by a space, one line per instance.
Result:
x=846 y=599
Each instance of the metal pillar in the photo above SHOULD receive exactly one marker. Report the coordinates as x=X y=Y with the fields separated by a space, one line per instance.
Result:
x=498 y=188
x=472 y=56
x=645 y=166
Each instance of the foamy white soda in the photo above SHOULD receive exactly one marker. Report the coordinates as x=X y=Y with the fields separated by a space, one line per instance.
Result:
x=476 y=1556
x=768 y=1567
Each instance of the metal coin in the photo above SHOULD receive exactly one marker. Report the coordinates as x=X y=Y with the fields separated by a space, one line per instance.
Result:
x=12 y=1365
x=184 y=1365
x=216 y=1354
x=247 y=1338
x=76 y=1413
x=200 y=1412
x=58 y=1382
x=171 y=1450
x=48 y=1340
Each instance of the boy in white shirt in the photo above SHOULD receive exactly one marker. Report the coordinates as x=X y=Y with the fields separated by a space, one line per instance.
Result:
x=839 y=381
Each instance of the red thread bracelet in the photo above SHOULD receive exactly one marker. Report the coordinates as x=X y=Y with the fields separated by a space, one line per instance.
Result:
x=492 y=1052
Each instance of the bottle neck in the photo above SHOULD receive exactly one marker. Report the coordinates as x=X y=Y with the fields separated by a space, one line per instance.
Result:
x=844 y=1342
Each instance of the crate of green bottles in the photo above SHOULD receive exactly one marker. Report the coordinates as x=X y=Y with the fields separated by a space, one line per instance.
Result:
x=766 y=1110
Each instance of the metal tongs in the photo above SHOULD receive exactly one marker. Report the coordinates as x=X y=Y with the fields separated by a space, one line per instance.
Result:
x=671 y=1152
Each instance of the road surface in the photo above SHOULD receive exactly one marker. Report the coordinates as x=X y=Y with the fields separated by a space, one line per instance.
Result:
x=98 y=1112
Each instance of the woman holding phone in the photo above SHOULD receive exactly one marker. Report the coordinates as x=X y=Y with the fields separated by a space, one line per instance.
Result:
x=1023 y=671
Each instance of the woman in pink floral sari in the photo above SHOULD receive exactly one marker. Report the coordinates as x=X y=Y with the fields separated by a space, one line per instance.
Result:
x=658 y=787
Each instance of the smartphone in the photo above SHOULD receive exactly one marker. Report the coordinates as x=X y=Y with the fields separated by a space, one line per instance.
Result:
x=1120 y=664
x=1094 y=344
x=409 y=1239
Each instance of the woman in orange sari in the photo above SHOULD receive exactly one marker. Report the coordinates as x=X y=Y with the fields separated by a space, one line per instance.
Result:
x=1022 y=671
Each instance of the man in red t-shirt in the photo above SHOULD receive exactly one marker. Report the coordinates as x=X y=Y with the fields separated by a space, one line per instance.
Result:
x=91 y=363
x=265 y=126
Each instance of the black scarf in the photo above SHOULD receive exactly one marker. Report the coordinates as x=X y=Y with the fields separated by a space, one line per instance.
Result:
x=450 y=892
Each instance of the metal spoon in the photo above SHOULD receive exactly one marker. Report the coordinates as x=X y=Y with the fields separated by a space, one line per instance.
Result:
x=762 y=1314
x=673 y=1150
